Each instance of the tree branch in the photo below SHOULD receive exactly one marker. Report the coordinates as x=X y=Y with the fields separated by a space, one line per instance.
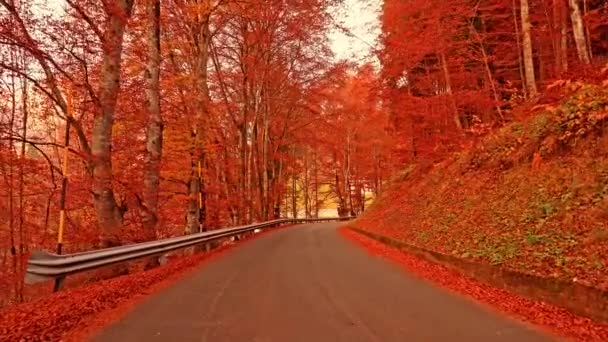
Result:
x=87 y=19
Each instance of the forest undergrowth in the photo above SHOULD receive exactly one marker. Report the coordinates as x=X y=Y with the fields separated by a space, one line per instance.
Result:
x=531 y=197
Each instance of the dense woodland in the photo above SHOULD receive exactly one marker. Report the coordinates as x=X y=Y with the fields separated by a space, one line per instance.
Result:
x=129 y=120
x=461 y=67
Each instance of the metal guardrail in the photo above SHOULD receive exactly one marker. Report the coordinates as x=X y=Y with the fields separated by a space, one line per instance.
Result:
x=44 y=266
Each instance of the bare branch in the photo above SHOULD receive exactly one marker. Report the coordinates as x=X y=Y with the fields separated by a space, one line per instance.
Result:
x=87 y=19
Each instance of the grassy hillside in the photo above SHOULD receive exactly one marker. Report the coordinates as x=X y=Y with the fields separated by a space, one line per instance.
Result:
x=531 y=197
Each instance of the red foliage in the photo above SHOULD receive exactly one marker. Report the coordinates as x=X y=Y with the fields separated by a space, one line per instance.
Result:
x=449 y=66
x=249 y=85
x=556 y=320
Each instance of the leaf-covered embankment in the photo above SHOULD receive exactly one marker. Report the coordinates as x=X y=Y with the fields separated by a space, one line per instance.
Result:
x=531 y=197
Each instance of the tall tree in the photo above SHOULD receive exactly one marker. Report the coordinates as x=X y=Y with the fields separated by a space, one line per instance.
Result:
x=154 y=131
x=109 y=214
x=201 y=36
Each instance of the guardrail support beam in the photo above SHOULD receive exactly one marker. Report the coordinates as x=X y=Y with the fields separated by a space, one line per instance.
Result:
x=44 y=266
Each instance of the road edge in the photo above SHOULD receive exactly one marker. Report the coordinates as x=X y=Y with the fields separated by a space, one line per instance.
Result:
x=552 y=319
x=77 y=314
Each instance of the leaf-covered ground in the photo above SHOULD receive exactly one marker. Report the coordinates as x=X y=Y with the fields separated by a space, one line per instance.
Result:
x=73 y=314
x=552 y=319
x=532 y=197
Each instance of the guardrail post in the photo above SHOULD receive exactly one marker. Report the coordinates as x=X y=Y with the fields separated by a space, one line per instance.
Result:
x=58 y=283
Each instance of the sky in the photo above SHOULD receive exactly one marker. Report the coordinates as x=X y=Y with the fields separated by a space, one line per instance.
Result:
x=361 y=18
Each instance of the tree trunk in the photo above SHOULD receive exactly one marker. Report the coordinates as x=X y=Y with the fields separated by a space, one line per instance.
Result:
x=243 y=165
x=294 y=198
x=560 y=36
x=555 y=36
x=486 y=64
x=560 y=31
x=587 y=32
x=278 y=195
x=306 y=187
x=11 y=183
x=265 y=170
x=316 y=165
x=527 y=47
x=194 y=189
x=578 y=30
x=522 y=76
x=564 y=35
x=196 y=199
x=22 y=233
x=448 y=89
x=362 y=197
x=109 y=215
x=154 y=132
x=541 y=65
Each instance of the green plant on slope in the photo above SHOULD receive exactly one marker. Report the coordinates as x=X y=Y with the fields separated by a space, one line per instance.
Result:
x=497 y=252
x=533 y=238
x=582 y=113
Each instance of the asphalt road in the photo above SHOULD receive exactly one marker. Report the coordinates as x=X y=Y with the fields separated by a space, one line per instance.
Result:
x=308 y=284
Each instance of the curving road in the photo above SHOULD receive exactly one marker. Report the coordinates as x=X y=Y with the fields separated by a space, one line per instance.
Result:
x=308 y=284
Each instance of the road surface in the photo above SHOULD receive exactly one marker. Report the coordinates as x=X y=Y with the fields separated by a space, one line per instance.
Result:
x=308 y=284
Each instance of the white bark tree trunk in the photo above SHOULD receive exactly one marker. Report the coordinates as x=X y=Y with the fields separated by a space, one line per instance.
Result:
x=578 y=30
x=520 y=62
x=526 y=28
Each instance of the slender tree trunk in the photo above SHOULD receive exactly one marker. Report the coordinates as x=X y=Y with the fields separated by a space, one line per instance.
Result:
x=278 y=195
x=564 y=35
x=249 y=183
x=154 y=132
x=109 y=215
x=555 y=34
x=541 y=64
x=362 y=197
x=22 y=233
x=64 y=184
x=342 y=206
x=351 y=207
x=258 y=199
x=520 y=62
x=448 y=89
x=578 y=30
x=587 y=32
x=265 y=164
x=526 y=28
x=11 y=182
x=193 y=213
x=227 y=193
x=560 y=31
x=243 y=165
x=294 y=197
x=486 y=64
x=316 y=165
x=306 y=187
x=347 y=176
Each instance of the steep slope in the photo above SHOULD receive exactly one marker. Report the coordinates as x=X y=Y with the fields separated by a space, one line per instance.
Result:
x=532 y=197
